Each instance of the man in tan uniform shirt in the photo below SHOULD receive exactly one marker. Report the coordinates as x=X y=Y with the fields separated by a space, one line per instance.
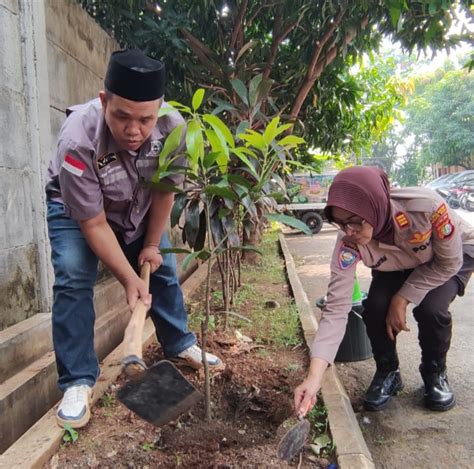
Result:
x=420 y=252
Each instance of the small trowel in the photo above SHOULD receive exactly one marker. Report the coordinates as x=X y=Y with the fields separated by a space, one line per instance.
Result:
x=158 y=394
x=294 y=439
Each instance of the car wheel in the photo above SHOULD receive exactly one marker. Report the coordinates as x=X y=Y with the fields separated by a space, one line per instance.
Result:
x=313 y=220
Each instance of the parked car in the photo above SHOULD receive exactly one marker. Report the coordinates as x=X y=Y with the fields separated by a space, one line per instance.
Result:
x=441 y=180
x=459 y=180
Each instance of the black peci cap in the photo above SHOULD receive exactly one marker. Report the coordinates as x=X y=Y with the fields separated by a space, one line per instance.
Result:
x=133 y=75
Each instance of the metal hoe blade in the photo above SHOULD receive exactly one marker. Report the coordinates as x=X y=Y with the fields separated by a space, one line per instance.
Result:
x=293 y=441
x=160 y=395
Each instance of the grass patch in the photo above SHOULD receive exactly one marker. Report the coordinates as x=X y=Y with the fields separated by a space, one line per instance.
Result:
x=261 y=282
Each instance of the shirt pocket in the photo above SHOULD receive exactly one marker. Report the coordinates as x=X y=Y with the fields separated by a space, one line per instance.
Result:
x=147 y=168
x=117 y=189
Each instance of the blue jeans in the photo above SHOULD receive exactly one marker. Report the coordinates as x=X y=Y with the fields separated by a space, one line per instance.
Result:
x=75 y=269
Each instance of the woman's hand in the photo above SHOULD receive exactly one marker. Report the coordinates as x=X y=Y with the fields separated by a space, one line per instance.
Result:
x=396 y=320
x=305 y=395
x=152 y=255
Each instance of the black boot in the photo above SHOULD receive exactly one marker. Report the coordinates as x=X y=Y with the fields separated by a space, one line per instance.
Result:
x=384 y=385
x=438 y=395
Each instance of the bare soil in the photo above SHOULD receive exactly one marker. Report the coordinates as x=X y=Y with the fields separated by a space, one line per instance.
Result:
x=251 y=407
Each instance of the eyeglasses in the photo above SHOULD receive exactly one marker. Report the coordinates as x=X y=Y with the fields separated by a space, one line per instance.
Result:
x=355 y=227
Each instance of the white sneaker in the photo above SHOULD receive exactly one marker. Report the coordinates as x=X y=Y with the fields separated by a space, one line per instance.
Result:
x=192 y=357
x=75 y=406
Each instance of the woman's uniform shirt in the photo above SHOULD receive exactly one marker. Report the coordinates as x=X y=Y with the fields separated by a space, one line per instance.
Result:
x=429 y=238
x=90 y=172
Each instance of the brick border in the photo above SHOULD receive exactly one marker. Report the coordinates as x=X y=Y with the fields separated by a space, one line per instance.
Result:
x=351 y=449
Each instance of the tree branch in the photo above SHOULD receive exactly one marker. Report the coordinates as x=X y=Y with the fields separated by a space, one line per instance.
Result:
x=237 y=29
x=319 y=65
x=203 y=53
x=277 y=38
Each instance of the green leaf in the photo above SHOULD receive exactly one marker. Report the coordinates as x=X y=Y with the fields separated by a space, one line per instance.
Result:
x=70 y=434
x=244 y=49
x=263 y=89
x=242 y=127
x=253 y=89
x=189 y=258
x=162 y=186
x=289 y=221
x=218 y=146
x=194 y=141
x=218 y=125
x=201 y=236
x=240 y=89
x=210 y=158
x=178 y=207
x=171 y=144
x=242 y=157
x=180 y=107
x=394 y=13
x=291 y=141
x=225 y=192
x=273 y=130
x=247 y=247
x=224 y=105
x=191 y=226
x=240 y=180
x=254 y=139
x=165 y=110
x=197 y=98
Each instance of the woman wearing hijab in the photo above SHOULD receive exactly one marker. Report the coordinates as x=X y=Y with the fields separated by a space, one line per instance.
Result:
x=420 y=253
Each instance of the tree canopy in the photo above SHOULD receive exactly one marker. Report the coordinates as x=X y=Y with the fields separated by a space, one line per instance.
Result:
x=440 y=117
x=305 y=47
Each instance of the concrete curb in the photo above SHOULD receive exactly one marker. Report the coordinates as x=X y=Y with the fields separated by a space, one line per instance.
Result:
x=34 y=448
x=351 y=449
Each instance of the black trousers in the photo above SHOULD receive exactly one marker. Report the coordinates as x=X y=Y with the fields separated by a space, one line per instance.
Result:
x=432 y=315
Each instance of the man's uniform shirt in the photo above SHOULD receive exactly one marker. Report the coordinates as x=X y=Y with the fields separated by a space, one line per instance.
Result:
x=90 y=173
x=429 y=238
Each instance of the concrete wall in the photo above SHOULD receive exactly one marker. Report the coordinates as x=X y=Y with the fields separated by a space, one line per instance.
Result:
x=78 y=51
x=52 y=55
x=19 y=291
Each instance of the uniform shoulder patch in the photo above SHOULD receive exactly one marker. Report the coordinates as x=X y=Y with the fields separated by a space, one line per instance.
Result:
x=442 y=223
x=348 y=255
x=402 y=220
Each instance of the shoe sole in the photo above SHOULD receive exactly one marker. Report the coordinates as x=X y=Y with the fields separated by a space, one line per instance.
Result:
x=375 y=408
x=195 y=366
x=82 y=422
x=439 y=407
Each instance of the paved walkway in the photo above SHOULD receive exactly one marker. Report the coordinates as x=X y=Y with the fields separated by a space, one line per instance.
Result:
x=405 y=434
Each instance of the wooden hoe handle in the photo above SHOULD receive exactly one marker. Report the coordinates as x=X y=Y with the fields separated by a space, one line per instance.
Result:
x=132 y=363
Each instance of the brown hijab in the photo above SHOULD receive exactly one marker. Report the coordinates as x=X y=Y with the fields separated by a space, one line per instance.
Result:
x=364 y=191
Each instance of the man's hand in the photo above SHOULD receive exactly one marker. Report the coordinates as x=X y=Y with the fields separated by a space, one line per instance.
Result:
x=152 y=255
x=136 y=289
x=305 y=395
x=396 y=320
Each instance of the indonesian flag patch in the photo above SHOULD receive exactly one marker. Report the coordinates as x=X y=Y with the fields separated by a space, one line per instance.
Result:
x=74 y=166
